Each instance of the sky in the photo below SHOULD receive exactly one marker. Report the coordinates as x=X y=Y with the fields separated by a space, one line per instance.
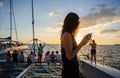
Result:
x=99 y=17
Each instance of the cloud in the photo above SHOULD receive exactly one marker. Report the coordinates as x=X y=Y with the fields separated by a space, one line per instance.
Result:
x=100 y=16
x=104 y=5
x=109 y=31
x=118 y=36
x=53 y=29
x=1 y=4
x=53 y=14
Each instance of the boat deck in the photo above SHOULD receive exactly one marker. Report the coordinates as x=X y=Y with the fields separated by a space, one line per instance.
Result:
x=34 y=70
x=11 y=70
x=42 y=71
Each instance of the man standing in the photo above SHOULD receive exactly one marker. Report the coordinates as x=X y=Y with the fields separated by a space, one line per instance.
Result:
x=93 y=50
x=40 y=51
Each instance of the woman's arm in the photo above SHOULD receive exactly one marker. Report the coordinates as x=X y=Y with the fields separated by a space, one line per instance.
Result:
x=68 y=45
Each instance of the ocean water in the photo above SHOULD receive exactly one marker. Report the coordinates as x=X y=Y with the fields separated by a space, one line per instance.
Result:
x=106 y=54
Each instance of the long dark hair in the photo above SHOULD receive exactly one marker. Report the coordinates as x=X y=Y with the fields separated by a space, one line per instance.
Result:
x=70 y=23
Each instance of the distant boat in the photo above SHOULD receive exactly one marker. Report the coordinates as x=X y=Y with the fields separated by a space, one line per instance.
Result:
x=7 y=44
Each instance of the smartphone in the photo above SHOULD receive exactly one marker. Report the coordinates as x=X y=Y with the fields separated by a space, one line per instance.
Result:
x=89 y=35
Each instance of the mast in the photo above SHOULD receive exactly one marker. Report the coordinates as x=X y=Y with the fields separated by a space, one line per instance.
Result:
x=33 y=27
x=10 y=21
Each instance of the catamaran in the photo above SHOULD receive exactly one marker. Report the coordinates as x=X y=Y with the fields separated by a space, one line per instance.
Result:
x=8 y=44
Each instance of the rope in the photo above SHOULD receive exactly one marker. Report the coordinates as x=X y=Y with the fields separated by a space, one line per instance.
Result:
x=48 y=45
x=14 y=21
x=42 y=42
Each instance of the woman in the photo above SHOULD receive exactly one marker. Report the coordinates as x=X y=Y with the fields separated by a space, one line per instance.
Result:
x=31 y=57
x=69 y=47
x=52 y=56
x=93 y=50
x=21 y=57
x=47 y=57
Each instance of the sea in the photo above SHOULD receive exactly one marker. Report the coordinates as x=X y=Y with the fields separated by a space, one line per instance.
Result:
x=105 y=54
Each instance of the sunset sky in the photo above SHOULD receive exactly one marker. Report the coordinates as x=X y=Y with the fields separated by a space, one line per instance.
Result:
x=99 y=17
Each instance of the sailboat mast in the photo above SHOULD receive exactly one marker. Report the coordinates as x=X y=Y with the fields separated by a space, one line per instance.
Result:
x=33 y=27
x=11 y=20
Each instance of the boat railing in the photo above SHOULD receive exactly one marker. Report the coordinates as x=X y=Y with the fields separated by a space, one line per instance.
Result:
x=22 y=74
x=99 y=70
x=99 y=58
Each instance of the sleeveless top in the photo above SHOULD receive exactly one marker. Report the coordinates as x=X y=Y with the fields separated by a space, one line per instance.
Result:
x=70 y=67
x=40 y=49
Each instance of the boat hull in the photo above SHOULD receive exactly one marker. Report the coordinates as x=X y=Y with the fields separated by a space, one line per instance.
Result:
x=18 y=48
x=97 y=71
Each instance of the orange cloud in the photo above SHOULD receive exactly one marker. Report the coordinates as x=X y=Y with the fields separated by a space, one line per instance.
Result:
x=109 y=31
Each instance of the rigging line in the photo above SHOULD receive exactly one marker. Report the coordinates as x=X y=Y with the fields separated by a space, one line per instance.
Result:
x=14 y=21
x=28 y=41
x=48 y=45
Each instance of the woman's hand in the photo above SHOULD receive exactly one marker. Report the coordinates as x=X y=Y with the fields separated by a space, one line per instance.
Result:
x=85 y=39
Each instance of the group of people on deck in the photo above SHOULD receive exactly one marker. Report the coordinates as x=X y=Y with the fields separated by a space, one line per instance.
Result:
x=15 y=57
x=53 y=58
x=50 y=57
x=18 y=57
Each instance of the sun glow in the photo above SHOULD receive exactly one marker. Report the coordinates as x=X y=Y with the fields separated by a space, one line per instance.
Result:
x=78 y=38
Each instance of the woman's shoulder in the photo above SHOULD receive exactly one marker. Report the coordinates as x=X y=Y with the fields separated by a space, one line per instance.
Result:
x=66 y=34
